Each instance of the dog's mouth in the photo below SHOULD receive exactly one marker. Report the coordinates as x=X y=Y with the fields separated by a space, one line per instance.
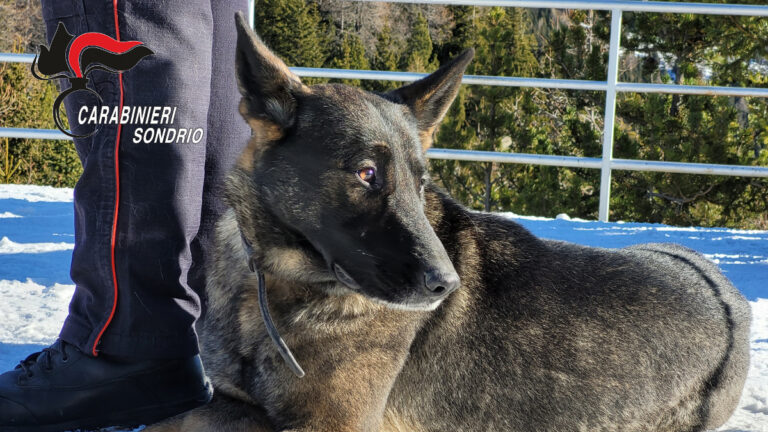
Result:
x=410 y=306
x=345 y=278
x=414 y=306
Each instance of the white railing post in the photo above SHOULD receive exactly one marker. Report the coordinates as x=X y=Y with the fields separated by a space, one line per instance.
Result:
x=251 y=12
x=610 y=115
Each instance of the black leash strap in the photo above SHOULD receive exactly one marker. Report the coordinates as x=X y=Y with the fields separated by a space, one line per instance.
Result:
x=282 y=347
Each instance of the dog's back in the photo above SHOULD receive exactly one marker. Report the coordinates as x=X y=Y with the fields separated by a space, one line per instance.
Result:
x=557 y=336
x=689 y=269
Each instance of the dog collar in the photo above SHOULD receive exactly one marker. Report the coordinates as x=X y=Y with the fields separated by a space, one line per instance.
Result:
x=280 y=344
x=248 y=252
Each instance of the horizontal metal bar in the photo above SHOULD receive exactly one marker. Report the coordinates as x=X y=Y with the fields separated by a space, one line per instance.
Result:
x=53 y=134
x=403 y=76
x=356 y=74
x=468 y=79
x=596 y=163
x=629 y=6
x=503 y=157
x=536 y=82
x=690 y=168
x=498 y=81
x=692 y=90
x=16 y=58
x=519 y=158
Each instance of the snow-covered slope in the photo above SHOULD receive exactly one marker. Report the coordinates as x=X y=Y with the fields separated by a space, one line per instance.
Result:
x=36 y=238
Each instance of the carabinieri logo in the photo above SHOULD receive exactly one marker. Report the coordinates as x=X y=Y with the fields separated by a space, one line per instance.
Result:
x=87 y=52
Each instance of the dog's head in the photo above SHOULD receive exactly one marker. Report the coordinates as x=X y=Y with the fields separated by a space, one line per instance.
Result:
x=344 y=170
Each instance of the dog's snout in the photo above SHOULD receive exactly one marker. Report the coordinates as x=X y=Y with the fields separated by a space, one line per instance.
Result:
x=440 y=284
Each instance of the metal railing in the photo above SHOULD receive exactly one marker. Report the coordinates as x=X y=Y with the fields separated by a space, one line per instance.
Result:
x=611 y=87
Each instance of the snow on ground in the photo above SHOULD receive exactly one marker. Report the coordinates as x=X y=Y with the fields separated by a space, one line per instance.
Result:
x=11 y=247
x=37 y=237
x=28 y=307
x=753 y=410
x=35 y=193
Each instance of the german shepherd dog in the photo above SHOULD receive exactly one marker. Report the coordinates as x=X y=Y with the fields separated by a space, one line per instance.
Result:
x=409 y=312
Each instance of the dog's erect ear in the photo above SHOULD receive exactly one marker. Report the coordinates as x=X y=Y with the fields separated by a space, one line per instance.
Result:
x=267 y=85
x=430 y=97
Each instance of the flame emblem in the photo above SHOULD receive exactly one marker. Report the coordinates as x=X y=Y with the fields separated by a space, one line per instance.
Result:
x=74 y=58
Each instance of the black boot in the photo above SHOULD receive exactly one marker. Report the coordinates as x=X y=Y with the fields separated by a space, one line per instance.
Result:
x=62 y=388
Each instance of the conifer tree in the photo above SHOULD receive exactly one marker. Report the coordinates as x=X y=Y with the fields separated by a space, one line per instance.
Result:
x=27 y=103
x=463 y=32
x=386 y=51
x=497 y=115
x=418 y=55
x=350 y=54
x=384 y=59
x=293 y=29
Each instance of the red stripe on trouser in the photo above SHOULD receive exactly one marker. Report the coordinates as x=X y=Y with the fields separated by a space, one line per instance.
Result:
x=117 y=198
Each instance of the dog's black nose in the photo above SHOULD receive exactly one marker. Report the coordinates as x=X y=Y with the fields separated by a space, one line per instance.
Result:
x=440 y=284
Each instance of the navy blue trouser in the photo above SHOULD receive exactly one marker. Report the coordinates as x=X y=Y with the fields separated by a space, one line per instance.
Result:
x=144 y=211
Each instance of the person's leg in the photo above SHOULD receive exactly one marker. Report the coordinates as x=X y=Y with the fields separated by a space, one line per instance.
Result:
x=141 y=219
x=138 y=203
x=227 y=131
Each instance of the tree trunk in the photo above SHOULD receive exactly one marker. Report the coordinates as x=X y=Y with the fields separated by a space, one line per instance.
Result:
x=742 y=110
x=675 y=108
x=489 y=165
x=488 y=185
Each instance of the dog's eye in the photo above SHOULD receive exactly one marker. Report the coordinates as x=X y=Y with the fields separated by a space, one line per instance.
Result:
x=367 y=174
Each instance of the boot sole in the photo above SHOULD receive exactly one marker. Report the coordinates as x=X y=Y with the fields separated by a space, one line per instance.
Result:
x=126 y=419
